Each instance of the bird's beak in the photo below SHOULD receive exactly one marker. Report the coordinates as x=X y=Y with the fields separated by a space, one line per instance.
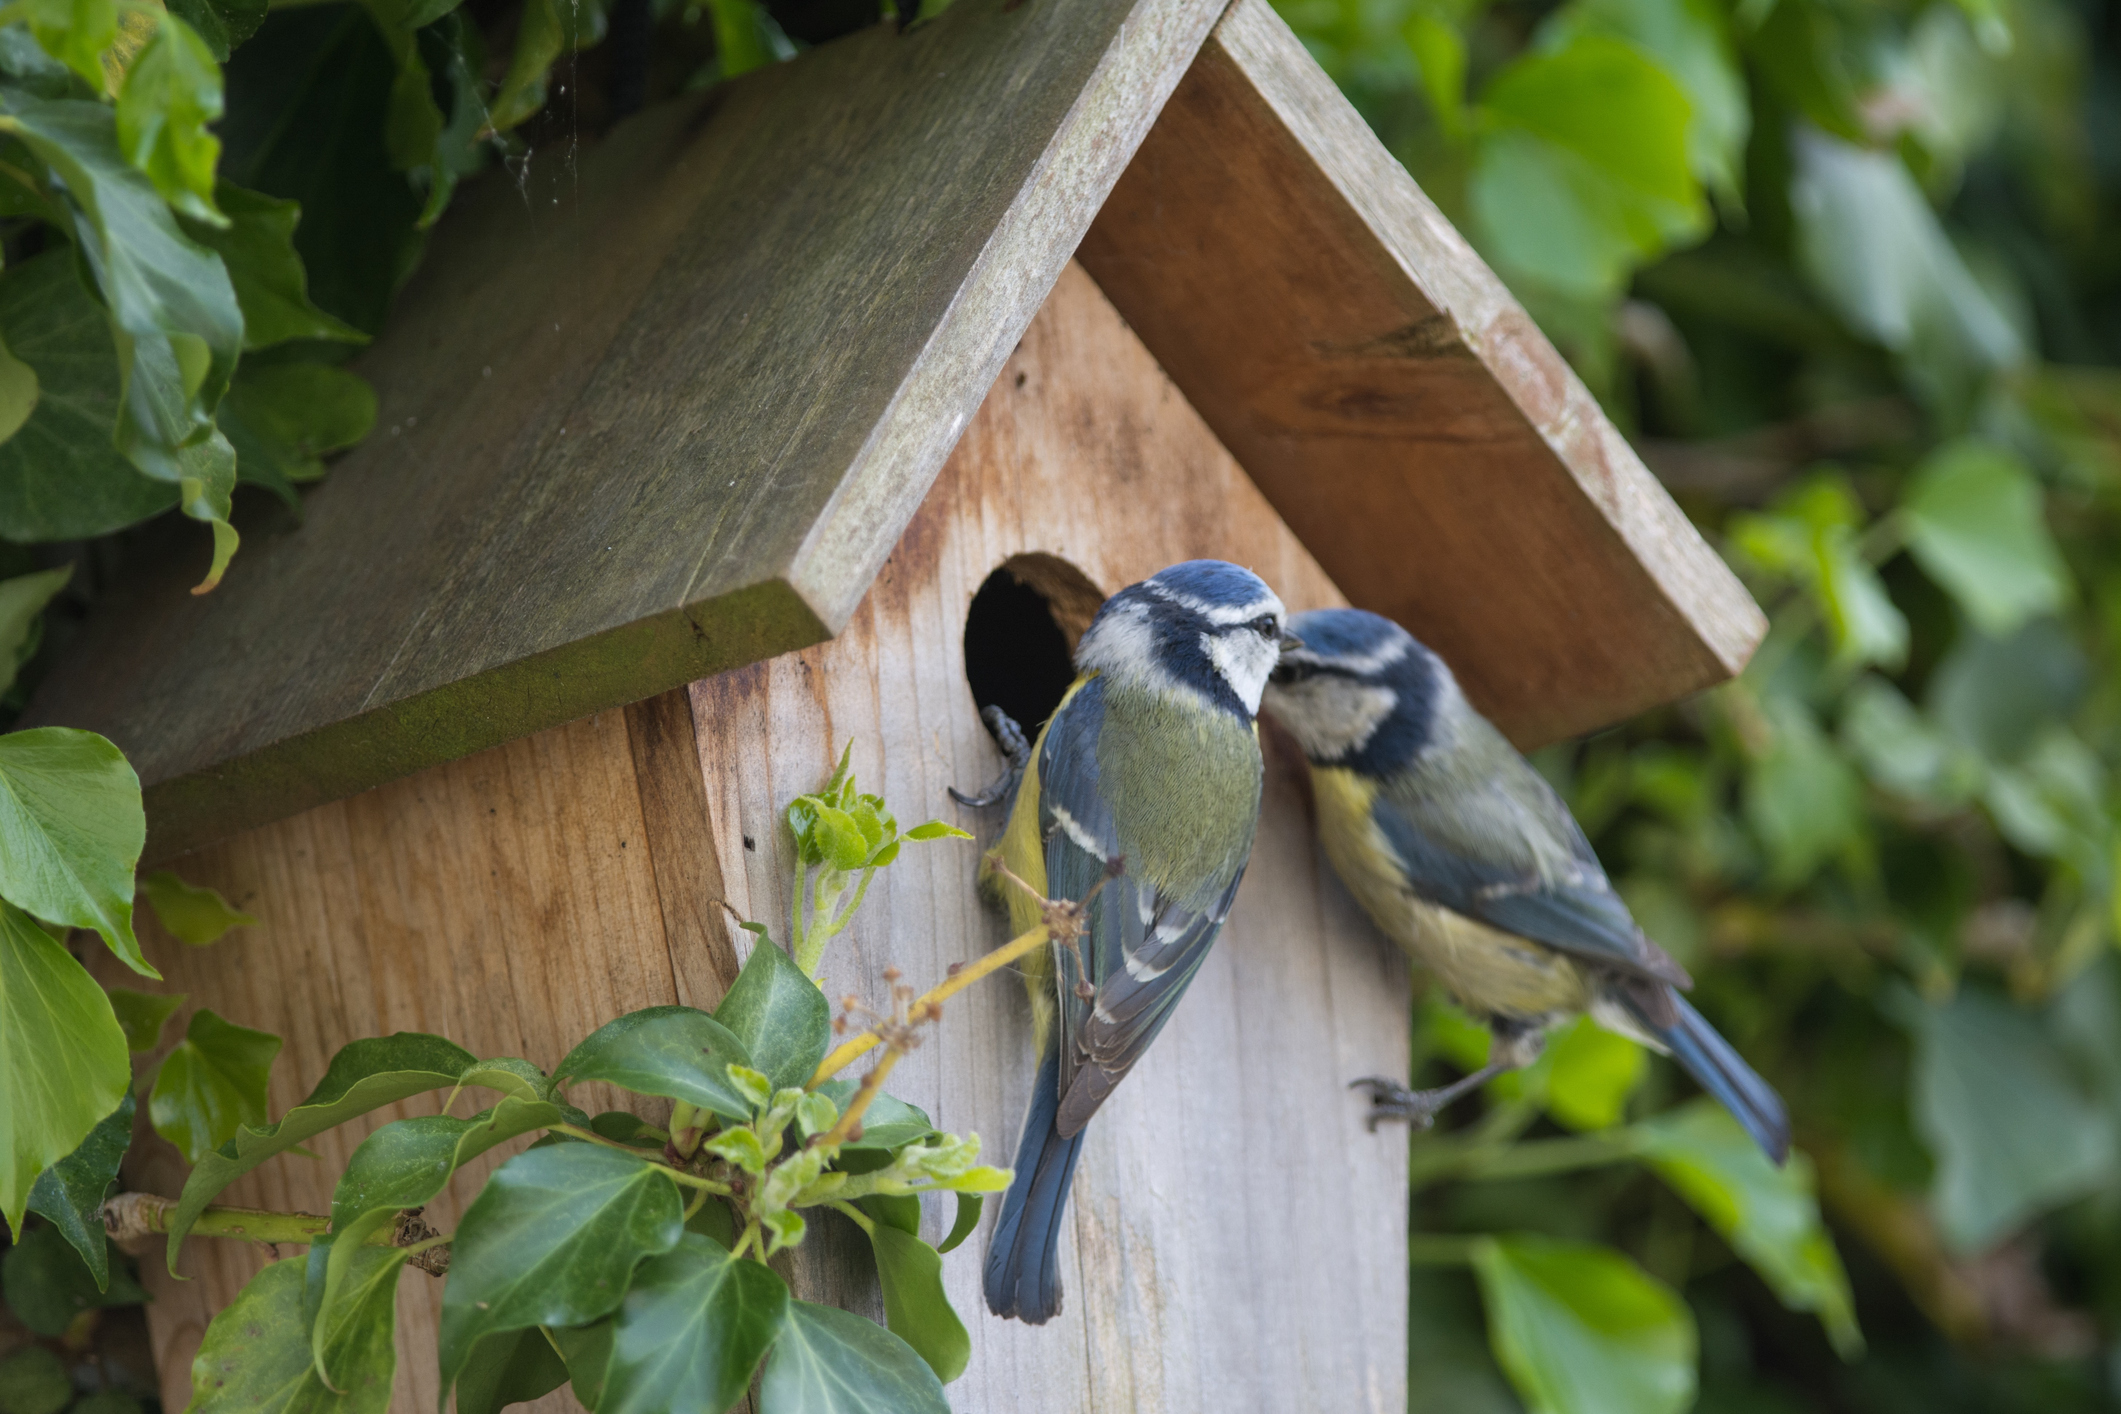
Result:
x=1290 y=641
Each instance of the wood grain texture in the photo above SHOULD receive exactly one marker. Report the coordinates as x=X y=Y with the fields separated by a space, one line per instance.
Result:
x=643 y=418
x=1398 y=407
x=511 y=901
x=1237 y=1242
x=1238 y=1239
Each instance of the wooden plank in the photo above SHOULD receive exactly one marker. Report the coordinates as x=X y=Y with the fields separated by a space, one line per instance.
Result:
x=1397 y=406
x=508 y=901
x=1194 y=1281
x=644 y=417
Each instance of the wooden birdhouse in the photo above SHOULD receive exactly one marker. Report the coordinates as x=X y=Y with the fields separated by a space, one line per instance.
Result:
x=825 y=407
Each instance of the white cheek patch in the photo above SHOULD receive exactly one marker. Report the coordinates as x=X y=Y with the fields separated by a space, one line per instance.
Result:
x=1332 y=716
x=1244 y=659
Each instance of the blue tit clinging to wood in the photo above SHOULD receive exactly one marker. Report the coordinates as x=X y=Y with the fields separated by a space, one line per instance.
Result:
x=1152 y=759
x=1469 y=860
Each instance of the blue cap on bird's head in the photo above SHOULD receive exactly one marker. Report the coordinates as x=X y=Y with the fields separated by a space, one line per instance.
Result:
x=1206 y=628
x=1361 y=691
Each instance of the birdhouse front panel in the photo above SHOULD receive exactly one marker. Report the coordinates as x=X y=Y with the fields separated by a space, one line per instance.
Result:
x=1237 y=1237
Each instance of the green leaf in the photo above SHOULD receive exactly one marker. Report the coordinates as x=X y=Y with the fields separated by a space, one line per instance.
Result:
x=282 y=419
x=552 y=1240
x=2011 y=1131
x=33 y=1381
x=47 y=1284
x=70 y=1193
x=677 y=1052
x=549 y=28
x=587 y=1351
x=142 y=1015
x=1801 y=798
x=693 y=1328
x=51 y=1096
x=513 y=1367
x=838 y=838
x=1769 y=1215
x=223 y=24
x=1688 y=39
x=76 y=32
x=189 y=912
x=1903 y=751
x=829 y=1361
x=1976 y=524
x=936 y=830
x=407 y=1162
x=256 y=1355
x=18 y=393
x=902 y=1211
x=1589 y=1074
x=22 y=601
x=888 y=1123
x=740 y=37
x=71 y=828
x=968 y=1210
x=1582 y=170
x=778 y=1015
x=915 y=1305
x=169 y=300
x=1871 y=245
x=61 y=478
x=363 y=1076
x=1580 y=1329
x=212 y=1084
x=272 y=289
x=172 y=91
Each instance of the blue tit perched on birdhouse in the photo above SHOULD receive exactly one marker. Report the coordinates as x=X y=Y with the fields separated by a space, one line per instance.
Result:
x=1150 y=767
x=1467 y=858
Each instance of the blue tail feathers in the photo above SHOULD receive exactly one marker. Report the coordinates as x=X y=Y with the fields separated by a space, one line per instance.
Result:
x=1721 y=1071
x=1023 y=1261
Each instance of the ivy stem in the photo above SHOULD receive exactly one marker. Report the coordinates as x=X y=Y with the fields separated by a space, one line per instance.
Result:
x=854 y=1215
x=135 y=1215
x=931 y=1001
x=677 y=1174
x=851 y=1118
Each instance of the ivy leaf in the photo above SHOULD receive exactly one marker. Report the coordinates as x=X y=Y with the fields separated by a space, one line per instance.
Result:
x=257 y=244
x=1977 y=526
x=778 y=1015
x=61 y=478
x=408 y=1161
x=256 y=1355
x=170 y=299
x=189 y=912
x=1769 y=1215
x=172 y=91
x=212 y=1084
x=363 y=1076
x=222 y=24
x=888 y=1123
x=1580 y=1329
x=1582 y=171
x=142 y=1015
x=968 y=1210
x=76 y=32
x=47 y=1284
x=552 y=1240
x=70 y=1193
x=1690 y=41
x=22 y=601
x=71 y=828
x=549 y=29
x=1803 y=800
x=1997 y=1104
x=677 y=1052
x=693 y=1328
x=33 y=1381
x=18 y=393
x=936 y=830
x=513 y=1367
x=51 y=1096
x=829 y=1361
x=915 y=1305
x=1585 y=1075
x=283 y=418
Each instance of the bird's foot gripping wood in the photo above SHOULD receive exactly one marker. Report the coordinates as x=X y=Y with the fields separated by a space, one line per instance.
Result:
x=1016 y=750
x=1390 y=1100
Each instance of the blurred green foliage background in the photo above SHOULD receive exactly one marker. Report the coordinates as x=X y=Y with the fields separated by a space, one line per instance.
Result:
x=1847 y=272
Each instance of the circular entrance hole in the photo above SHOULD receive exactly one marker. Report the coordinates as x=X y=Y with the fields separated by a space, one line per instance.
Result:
x=1021 y=632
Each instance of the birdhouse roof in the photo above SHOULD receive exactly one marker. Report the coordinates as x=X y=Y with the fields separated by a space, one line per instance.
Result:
x=663 y=408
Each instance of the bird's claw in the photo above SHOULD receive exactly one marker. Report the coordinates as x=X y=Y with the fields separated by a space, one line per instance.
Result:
x=1016 y=750
x=1390 y=1100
